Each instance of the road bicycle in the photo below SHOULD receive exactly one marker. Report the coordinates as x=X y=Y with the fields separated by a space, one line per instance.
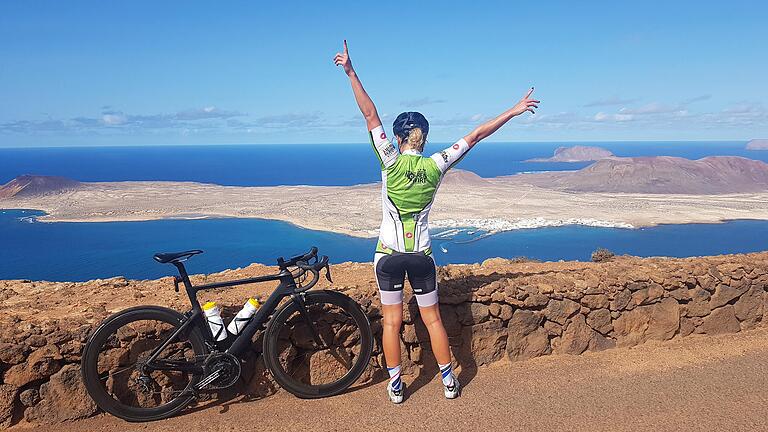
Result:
x=150 y=362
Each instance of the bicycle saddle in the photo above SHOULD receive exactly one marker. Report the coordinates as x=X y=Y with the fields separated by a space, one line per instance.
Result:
x=168 y=257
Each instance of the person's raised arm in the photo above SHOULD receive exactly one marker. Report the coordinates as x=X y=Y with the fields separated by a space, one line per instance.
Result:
x=363 y=100
x=488 y=128
x=449 y=157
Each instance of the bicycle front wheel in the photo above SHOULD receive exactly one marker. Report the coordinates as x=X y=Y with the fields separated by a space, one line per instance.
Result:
x=322 y=350
x=118 y=375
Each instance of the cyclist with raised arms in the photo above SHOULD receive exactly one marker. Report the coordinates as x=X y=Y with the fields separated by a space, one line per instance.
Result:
x=409 y=182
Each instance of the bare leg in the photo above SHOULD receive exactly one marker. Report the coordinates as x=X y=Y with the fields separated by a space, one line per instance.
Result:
x=437 y=335
x=390 y=338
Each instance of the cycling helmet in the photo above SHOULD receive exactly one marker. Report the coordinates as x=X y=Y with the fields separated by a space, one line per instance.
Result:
x=410 y=120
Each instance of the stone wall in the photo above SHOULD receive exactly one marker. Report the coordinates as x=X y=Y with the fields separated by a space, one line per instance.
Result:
x=492 y=310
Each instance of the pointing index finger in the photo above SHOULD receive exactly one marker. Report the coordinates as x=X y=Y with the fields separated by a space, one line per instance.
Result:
x=529 y=93
x=345 y=46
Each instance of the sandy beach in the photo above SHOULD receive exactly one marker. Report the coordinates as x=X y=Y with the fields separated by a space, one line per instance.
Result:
x=464 y=199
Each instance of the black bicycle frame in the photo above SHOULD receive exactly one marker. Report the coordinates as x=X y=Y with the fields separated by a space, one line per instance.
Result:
x=287 y=287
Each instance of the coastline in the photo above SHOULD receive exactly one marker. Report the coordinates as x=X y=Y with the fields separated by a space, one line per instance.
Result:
x=494 y=205
x=490 y=204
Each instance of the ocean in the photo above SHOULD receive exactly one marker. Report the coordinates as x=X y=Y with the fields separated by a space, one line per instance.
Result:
x=308 y=164
x=67 y=251
x=82 y=251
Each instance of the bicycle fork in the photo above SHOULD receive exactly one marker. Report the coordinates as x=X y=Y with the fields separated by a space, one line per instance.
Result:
x=298 y=300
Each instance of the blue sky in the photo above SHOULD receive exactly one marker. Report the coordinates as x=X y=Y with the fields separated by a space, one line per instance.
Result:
x=149 y=72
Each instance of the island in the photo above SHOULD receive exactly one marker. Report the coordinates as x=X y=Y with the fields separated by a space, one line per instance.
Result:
x=658 y=175
x=620 y=192
x=758 y=144
x=37 y=185
x=576 y=154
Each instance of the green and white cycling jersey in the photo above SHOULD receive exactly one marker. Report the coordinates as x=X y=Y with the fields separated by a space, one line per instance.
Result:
x=409 y=182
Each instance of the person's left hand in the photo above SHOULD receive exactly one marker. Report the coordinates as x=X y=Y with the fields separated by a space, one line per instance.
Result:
x=342 y=59
x=526 y=104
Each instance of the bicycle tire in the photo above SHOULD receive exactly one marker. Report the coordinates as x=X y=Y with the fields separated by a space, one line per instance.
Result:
x=278 y=324
x=104 y=333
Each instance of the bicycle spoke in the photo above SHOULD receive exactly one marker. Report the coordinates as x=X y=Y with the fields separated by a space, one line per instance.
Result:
x=118 y=372
x=126 y=376
x=311 y=364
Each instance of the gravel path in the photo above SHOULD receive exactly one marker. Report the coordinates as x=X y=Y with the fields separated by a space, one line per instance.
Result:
x=697 y=383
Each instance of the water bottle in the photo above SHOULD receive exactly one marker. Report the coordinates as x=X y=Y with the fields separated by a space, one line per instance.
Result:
x=241 y=319
x=213 y=316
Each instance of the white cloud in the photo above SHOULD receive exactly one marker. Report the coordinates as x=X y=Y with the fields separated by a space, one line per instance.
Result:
x=619 y=117
x=208 y=117
x=114 y=119
x=743 y=108
x=560 y=118
x=649 y=116
x=209 y=112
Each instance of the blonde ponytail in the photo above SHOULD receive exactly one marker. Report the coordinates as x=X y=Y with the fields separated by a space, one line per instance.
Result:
x=415 y=139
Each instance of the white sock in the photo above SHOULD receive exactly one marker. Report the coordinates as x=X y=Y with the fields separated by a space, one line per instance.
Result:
x=394 y=378
x=446 y=371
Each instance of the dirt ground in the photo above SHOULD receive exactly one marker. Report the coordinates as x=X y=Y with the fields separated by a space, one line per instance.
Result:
x=696 y=383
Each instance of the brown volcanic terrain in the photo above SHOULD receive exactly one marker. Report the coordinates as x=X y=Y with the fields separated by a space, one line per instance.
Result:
x=495 y=313
x=576 y=154
x=698 y=383
x=659 y=175
x=460 y=177
x=758 y=144
x=464 y=199
x=29 y=186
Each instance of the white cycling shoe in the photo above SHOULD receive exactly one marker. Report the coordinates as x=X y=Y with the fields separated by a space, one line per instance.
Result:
x=395 y=397
x=453 y=391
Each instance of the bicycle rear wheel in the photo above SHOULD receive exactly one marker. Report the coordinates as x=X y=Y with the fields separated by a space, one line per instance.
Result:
x=115 y=369
x=311 y=370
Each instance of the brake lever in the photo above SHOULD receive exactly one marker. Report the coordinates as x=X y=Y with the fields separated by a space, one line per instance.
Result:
x=328 y=272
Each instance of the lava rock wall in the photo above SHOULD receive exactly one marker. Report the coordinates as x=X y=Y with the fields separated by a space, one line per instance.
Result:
x=494 y=310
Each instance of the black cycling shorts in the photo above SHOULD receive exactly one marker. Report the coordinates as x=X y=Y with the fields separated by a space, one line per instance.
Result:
x=391 y=270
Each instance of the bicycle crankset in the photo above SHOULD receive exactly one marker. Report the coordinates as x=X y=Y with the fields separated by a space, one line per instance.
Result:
x=221 y=371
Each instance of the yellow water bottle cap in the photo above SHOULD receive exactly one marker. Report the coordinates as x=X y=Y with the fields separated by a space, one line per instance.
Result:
x=253 y=302
x=209 y=306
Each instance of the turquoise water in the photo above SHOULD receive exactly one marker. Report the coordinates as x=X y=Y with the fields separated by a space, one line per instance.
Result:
x=82 y=251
